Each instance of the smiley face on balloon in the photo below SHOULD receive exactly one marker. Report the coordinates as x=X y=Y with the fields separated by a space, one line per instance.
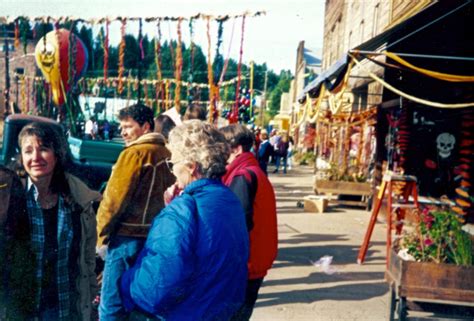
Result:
x=52 y=57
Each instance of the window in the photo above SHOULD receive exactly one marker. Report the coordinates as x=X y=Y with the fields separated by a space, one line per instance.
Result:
x=376 y=20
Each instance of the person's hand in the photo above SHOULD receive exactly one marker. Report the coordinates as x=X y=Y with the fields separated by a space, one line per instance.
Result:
x=171 y=193
x=102 y=251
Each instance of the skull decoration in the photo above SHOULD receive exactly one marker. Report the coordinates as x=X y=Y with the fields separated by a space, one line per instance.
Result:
x=445 y=144
x=52 y=57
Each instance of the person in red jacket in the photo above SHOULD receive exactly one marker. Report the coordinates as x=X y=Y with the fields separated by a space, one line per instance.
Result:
x=255 y=192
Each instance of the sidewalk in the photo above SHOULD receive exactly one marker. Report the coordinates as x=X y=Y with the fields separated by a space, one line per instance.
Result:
x=295 y=289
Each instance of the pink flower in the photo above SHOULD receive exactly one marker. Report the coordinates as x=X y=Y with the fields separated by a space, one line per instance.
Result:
x=428 y=242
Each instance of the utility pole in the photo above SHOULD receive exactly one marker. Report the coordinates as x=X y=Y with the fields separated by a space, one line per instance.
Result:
x=264 y=100
x=251 y=89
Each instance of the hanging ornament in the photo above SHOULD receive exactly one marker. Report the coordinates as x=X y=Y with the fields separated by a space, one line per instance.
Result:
x=121 y=68
x=17 y=35
x=52 y=58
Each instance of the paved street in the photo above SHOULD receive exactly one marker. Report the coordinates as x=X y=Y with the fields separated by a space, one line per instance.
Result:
x=295 y=289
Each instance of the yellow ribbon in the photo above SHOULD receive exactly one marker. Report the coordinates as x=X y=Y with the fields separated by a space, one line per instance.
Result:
x=407 y=96
x=434 y=74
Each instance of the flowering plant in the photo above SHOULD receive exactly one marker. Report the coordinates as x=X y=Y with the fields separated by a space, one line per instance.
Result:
x=438 y=237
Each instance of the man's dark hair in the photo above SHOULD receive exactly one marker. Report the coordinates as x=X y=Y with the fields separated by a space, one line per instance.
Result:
x=237 y=134
x=139 y=113
x=164 y=124
x=195 y=112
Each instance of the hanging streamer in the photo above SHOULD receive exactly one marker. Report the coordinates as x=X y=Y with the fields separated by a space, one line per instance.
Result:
x=234 y=115
x=121 y=68
x=189 y=92
x=434 y=74
x=17 y=34
x=158 y=52
x=226 y=63
x=106 y=52
x=140 y=61
x=167 y=94
x=210 y=77
x=407 y=96
x=179 y=68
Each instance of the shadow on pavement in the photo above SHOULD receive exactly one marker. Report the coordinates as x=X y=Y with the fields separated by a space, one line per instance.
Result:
x=305 y=255
x=320 y=277
x=349 y=292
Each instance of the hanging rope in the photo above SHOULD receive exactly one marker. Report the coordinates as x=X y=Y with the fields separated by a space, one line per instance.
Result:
x=226 y=63
x=179 y=68
x=234 y=114
x=6 y=91
x=140 y=60
x=210 y=77
x=121 y=66
x=407 y=96
x=173 y=65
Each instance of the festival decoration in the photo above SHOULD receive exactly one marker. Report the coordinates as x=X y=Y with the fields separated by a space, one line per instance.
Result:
x=179 y=67
x=52 y=57
x=408 y=96
x=121 y=68
x=233 y=117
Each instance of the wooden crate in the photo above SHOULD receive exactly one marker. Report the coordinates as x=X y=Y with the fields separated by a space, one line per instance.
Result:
x=344 y=188
x=431 y=281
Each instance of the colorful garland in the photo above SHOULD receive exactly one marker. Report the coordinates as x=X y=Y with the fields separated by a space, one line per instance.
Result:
x=179 y=68
x=210 y=77
x=106 y=51
x=121 y=68
x=92 y=21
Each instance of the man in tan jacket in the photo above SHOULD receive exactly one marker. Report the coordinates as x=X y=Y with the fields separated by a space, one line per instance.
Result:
x=133 y=197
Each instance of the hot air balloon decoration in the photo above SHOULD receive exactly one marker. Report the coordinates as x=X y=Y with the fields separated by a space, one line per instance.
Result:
x=52 y=55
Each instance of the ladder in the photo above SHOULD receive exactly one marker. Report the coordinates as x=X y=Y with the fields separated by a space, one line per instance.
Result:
x=402 y=186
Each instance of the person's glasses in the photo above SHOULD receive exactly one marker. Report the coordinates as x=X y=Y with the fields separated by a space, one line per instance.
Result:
x=170 y=164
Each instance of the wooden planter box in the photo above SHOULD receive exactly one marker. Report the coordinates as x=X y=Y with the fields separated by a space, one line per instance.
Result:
x=448 y=285
x=344 y=188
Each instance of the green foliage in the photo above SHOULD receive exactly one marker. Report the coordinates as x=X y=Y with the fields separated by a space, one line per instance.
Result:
x=281 y=87
x=306 y=158
x=439 y=238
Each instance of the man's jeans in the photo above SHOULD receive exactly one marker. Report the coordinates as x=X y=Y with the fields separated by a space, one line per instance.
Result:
x=120 y=256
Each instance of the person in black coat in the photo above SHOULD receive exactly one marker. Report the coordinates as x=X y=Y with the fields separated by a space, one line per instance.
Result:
x=265 y=150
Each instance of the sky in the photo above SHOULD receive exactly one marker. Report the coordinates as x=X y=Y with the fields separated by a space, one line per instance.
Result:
x=271 y=38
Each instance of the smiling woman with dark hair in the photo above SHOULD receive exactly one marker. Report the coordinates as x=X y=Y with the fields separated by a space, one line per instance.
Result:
x=62 y=232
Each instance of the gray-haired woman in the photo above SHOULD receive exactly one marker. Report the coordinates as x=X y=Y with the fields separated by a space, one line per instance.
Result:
x=193 y=265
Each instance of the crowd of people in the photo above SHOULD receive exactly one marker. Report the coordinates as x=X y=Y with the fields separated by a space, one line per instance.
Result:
x=187 y=224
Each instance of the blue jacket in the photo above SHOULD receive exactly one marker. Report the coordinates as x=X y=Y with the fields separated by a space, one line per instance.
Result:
x=194 y=262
